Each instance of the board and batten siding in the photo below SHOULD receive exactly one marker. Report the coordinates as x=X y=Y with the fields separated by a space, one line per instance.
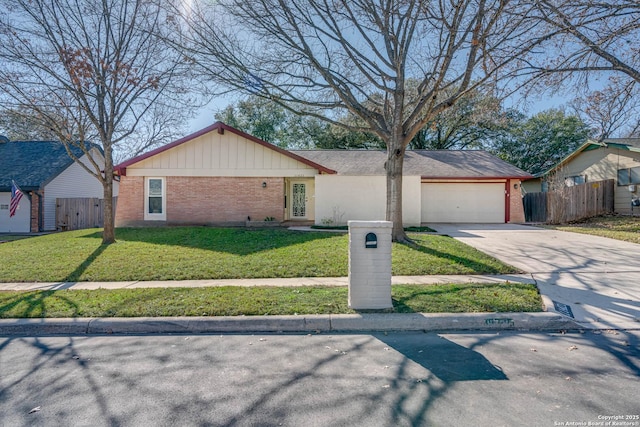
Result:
x=213 y=154
x=73 y=182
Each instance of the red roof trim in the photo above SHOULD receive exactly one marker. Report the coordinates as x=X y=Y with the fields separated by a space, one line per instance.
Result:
x=121 y=168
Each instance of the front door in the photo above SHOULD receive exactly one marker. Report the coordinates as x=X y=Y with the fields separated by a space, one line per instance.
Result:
x=298 y=200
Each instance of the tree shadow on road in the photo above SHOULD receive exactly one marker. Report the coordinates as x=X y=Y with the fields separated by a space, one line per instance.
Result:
x=445 y=359
x=364 y=379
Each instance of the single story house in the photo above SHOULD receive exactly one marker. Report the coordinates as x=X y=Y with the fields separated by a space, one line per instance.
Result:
x=44 y=172
x=222 y=176
x=613 y=158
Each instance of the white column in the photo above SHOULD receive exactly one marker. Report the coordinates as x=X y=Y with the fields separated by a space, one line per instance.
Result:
x=370 y=265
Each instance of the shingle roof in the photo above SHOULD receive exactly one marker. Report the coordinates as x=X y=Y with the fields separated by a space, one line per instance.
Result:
x=631 y=142
x=472 y=164
x=455 y=164
x=32 y=163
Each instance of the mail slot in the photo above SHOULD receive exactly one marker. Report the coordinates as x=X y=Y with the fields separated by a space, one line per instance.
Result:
x=371 y=241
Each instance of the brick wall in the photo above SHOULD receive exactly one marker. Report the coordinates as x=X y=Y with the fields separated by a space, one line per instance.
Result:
x=203 y=200
x=516 y=205
x=35 y=211
x=130 y=206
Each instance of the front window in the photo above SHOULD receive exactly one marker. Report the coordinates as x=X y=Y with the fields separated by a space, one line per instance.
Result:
x=629 y=176
x=155 y=205
x=570 y=181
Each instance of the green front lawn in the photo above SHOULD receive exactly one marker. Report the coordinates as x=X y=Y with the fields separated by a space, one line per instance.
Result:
x=11 y=237
x=181 y=253
x=617 y=227
x=237 y=301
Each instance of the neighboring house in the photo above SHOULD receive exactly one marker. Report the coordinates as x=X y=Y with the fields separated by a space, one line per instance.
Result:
x=222 y=176
x=43 y=171
x=613 y=158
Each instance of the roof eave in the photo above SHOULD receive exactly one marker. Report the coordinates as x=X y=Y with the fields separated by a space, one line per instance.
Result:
x=571 y=156
x=121 y=168
x=624 y=147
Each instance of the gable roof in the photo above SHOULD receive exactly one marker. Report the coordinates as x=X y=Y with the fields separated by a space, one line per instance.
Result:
x=31 y=164
x=220 y=127
x=460 y=164
x=631 y=143
x=428 y=164
x=624 y=144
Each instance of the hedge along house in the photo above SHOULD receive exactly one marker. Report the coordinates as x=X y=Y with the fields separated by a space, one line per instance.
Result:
x=222 y=176
x=611 y=158
x=44 y=172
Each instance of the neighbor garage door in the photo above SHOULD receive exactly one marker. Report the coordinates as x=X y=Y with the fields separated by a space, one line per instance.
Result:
x=21 y=221
x=463 y=202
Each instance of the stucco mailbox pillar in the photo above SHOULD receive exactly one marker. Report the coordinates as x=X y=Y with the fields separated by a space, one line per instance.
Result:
x=370 y=265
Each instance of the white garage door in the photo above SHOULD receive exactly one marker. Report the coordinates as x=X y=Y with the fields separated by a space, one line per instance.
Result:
x=463 y=202
x=21 y=221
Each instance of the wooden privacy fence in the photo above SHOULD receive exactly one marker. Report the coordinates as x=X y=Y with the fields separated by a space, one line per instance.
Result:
x=535 y=207
x=79 y=213
x=570 y=203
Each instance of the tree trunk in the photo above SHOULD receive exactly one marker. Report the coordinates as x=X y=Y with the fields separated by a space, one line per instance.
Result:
x=108 y=233
x=393 y=166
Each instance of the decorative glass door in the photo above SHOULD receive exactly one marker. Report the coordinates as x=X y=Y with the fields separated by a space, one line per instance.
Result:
x=299 y=200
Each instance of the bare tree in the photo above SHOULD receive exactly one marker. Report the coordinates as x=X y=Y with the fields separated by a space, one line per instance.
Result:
x=611 y=111
x=557 y=196
x=590 y=42
x=394 y=64
x=89 y=72
x=472 y=122
x=19 y=125
x=592 y=36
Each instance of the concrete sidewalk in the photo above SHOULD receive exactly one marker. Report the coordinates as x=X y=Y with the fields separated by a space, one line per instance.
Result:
x=299 y=324
x=295 y=281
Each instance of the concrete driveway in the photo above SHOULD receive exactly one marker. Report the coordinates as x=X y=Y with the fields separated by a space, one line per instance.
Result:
x=595 y=279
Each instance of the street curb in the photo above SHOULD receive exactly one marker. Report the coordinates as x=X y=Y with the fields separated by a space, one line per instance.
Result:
x=378 y=322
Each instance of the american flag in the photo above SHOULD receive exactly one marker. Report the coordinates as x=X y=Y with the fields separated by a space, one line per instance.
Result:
x=16 y=195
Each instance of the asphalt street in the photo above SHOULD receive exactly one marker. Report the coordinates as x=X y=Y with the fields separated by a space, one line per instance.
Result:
x=393 y=379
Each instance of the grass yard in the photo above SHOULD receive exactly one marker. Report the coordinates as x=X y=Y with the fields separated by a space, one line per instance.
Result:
x=237 y=301
x=4 y=238
x=617 y=227
x=187 y=253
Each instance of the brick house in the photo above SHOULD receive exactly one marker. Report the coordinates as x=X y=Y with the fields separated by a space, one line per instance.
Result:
x=222 y=176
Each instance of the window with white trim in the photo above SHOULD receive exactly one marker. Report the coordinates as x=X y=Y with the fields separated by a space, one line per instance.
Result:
x=155 y=204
